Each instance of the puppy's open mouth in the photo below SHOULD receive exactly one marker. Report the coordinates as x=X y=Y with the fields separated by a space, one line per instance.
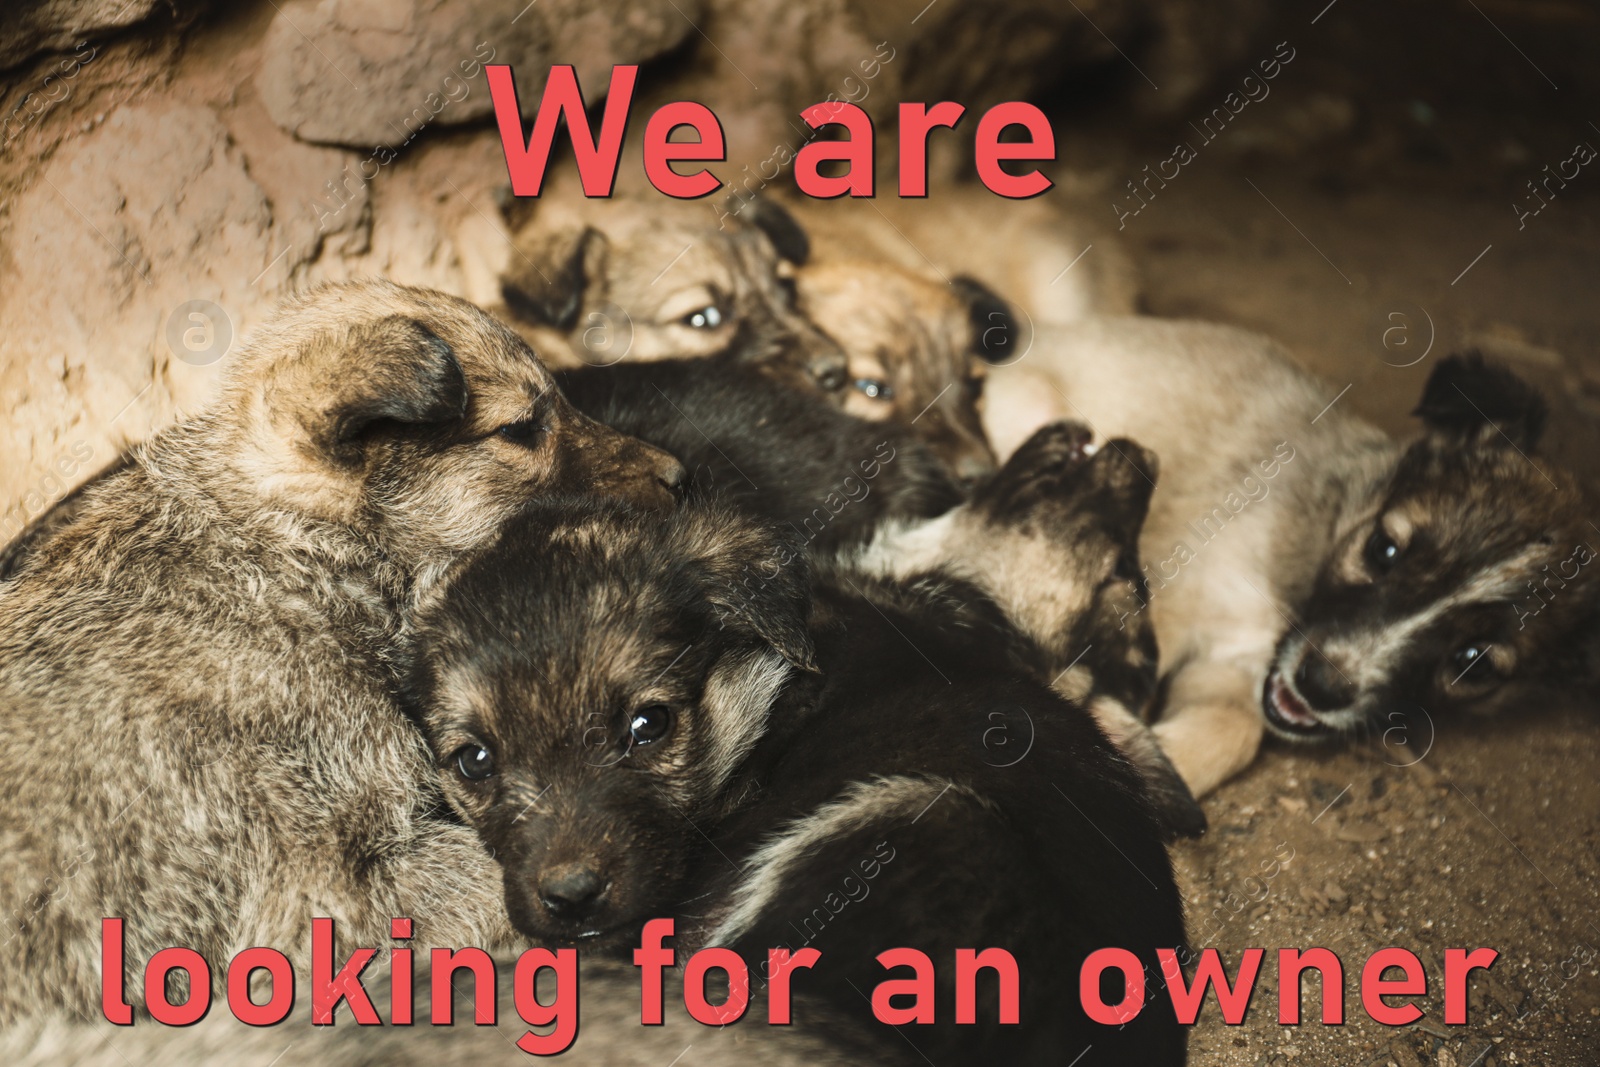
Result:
x=1288 y=715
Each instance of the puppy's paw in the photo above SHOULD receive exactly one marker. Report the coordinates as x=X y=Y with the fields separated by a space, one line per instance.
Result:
x=1041 y=471
x=1209 y=743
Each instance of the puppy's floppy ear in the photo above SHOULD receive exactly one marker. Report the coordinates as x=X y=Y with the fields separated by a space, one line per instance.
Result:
x=309 y=405
x=781 y=228
x=391 y=370
x=755 y=580
x=994 y=327
x=1472 y=401
x=552 y=273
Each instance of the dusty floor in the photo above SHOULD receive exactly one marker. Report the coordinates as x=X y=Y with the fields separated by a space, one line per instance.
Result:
x=1445 y=834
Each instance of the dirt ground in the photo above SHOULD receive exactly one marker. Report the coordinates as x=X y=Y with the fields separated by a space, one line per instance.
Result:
x=1354 y=203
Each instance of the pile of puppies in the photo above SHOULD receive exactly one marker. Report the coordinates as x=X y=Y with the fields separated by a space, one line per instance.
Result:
x=737 y=625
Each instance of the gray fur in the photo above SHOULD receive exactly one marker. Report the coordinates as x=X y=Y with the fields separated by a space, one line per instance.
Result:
x=198 y=732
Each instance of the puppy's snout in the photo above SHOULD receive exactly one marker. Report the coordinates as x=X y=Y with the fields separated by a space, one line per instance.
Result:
x=664 y=478
x=572 y=891
x=671 y=474
x=1321 y=684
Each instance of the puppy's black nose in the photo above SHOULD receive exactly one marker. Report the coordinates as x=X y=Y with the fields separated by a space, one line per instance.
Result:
x=572 y=890
x=1321 y=684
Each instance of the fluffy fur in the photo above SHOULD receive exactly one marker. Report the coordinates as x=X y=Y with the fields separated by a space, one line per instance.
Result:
x=1271 y=606
x=538 y=696
x=936 y=797
x=199 y=732
x=627 y=279
x=778 y=453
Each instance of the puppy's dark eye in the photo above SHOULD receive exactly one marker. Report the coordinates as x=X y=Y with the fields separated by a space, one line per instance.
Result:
x=527 y=432
x=1465 y=659
x=1381 y=552
x=706 y=318
x=650 y=724
x=874 y=388
x=474 y=762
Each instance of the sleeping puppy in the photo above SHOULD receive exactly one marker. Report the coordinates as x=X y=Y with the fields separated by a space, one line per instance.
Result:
x=935 y=797
x=917 y=350
x=1308 y=575
x=598 y=720
x=200 y=730
x=939 y=794
x=630 y=279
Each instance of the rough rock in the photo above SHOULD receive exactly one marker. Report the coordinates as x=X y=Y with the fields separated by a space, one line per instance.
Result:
x=33 y=26
x=156 y=206
x=366 y=73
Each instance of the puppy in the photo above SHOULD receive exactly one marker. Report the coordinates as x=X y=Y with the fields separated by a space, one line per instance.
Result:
x=1306 y=574
x=870 y=494
x=916 y=348
x=938 y=794
x=586 y=715
x=937 y=798
x=1053 y=541
x=780 y=454
x=200 y=734
x=631 y=279
x=1050 y=262
x=601 y=719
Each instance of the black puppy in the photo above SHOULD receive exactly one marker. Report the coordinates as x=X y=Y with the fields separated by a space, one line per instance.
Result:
x=777 y=452
x=589 y=710
x=601 y=718
x=937 y=795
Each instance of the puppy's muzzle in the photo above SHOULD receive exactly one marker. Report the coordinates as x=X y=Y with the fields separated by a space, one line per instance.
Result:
x=572 y=892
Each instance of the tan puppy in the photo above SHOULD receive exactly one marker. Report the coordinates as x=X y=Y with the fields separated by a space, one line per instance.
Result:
x=1308 y=575
x=199 y=734
x=915 y=350
x=652 y=278
x=1043 y=258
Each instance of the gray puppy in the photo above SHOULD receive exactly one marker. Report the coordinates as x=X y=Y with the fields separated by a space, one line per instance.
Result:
x=198 y=731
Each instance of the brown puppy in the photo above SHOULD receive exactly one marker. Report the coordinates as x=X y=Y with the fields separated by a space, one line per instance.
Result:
x=917 y=350
x=199 y=734
x=642 y=279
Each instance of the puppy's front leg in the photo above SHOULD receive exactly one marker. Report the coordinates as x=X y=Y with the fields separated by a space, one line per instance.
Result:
x=1213 y=726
